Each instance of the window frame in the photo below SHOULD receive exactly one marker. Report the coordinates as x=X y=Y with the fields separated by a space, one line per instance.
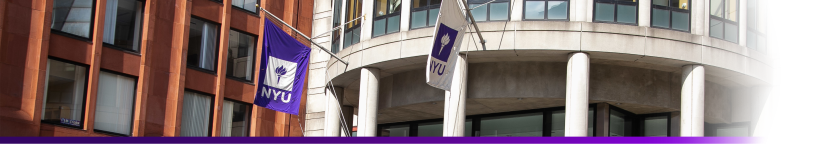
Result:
x=354 y=26
x=671 y=10
x=134 y=103
x=249 y=107
x=754 y=28
x=476 y=121
x=254 y=13
x=139 y=39
x=524 y=11
x=85 y=95
x=725 y=20
x=711 y=128
x=91 y=26
x=209 y=130
x=487 y=18
x=756 y=31
x=217 y=47
x=616 y=3
x=427 y=8
x=385 y=17
x=254 y=55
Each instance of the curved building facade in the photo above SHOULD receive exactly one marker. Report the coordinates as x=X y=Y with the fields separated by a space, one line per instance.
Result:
x=547 y=68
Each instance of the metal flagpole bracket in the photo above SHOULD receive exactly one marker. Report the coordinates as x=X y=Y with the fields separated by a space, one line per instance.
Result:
x=473 y=20
x=302 y=35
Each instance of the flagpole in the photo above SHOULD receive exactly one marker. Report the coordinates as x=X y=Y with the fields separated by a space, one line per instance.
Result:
x=478 y=32
x=302 y=35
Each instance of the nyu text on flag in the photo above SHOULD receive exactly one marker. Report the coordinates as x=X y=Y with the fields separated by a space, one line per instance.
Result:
x=446 y=43
x=283 y=66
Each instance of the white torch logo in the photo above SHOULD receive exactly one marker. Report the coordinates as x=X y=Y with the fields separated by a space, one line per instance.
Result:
x=444 y=40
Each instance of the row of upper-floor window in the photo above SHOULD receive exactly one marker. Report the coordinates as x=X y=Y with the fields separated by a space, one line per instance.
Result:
x=123 y=26
x=64 y=104
x=666 y=14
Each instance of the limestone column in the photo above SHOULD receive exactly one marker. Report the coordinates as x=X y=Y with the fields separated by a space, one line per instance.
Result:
x=455 y=100
x=693 y=101
x=332 y=115
x=368 y=102
x=578 y=74
x=762 y=107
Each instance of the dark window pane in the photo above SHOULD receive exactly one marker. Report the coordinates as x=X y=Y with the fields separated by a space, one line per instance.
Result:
x=626 y=13
x=241 y=55
x=604 y=12
x=499 y=11
x=433 y=17
x=534 y=10
x=731 y=32
x=248 y=5
x=393 y=24
x=661 y=18
x=717 y=29
x=202 y=40
x=418 y=19
x=65 y=93
x=379 y=27
x=123 y=23
x=681 y=21
x=72 y=16
x=431 y=129
x=655 y=126
x=347 y=39
x=618 y=124
x=419 y=3
x=680 y=4
x=480 y=13
x=468 y=128
x=557 y=10
x=660 y=2
x=557 y=126
x=394 y=6
x=380 y=8
x=523 y=125
x=395 y=131
x=235 y=119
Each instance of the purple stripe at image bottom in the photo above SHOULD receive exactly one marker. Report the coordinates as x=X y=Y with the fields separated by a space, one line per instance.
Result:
x=379 y=140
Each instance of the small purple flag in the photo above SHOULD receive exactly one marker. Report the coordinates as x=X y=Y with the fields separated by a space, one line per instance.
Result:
x=283 y=66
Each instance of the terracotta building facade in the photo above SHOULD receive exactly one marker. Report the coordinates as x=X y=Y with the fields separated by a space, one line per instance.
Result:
x=139 y=67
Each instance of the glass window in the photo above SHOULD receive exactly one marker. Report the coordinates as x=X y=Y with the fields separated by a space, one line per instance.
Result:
x=724 y=22
x=195 y=120
x=115 y=103
x=424 y=13
x=352 y=31
x=545 y=9
x=387 y=17
x=741 y=129
x=434 y=129
x=557 y=123
x=671 y=14
x=395 y=131
x=336 y=21
x=655 y=126
x=248 y=5
x=468 y=128
x=521 y=125
x=202 y=44
x=241 y=55
x=73 y=17
x=756 y=27
x=235 y=119
x=123 y=23
x=616 y=11
x=65 y=92
x=499 y=10
x=620 y=124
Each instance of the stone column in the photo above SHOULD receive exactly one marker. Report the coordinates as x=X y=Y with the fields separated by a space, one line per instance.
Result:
x=332 y=115
x=455 y=100
x=762 y=105
x=693 y=101
x=578 y=74
x=368 y=102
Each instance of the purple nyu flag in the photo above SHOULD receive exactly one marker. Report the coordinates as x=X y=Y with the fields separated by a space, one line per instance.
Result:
x=283 y=66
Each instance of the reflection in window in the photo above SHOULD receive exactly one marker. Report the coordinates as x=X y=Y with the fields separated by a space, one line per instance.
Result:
x=387 y=17
x=241 y=55
x=424 y=13
x=434 y=129
x=235 y=119
x=615 y=11
x=545 y=9
x=671 y=14
x=248 y=5
x=724 y=23
x=395 y=131
x=756 y=36
x=499 y=10
x=655 y=126
x=115 y=103
x=202 y=44
x=65 y=94
x=73 y=17
x=352 y=31
x=123 y=23
x=620 y=124
x=522 y=125
x=195 y=120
